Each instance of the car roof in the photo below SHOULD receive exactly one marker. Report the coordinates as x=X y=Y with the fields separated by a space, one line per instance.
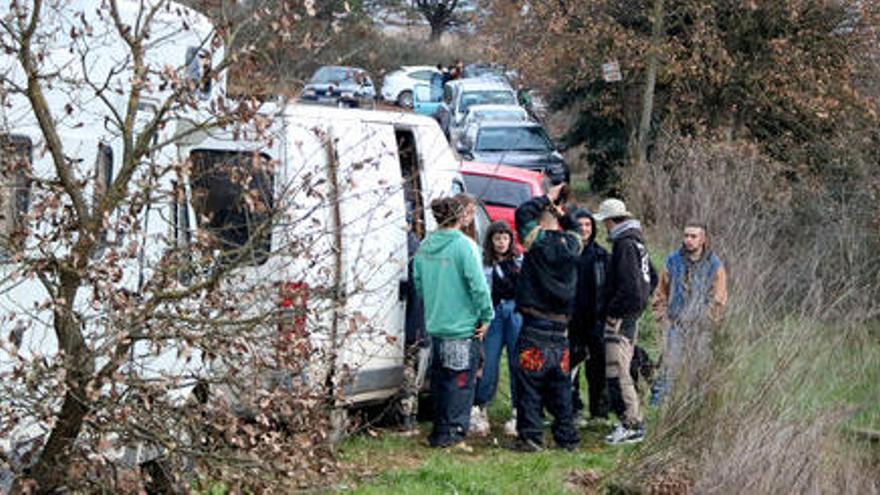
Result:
x=495 y=106
x=414 y=68
x=343 y=67
x=505 y=123
x=502 y=172
x=477 y=83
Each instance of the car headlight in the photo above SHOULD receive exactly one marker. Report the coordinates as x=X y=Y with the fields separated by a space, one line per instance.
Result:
x=309 y=92
x=347 y=94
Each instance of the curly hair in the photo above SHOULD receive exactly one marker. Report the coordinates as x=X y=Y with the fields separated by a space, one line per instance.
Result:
x=446 y=211
x=489 y=255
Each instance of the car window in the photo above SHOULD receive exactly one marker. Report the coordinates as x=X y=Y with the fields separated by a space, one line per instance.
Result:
x=500 y=115
x=512 y=139
x=337 y=75
x=488 y=97
x=422 y=75
x=16 y=154
x=496 y=191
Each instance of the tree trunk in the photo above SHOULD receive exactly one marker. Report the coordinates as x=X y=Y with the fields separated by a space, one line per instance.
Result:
x=437 y=29
x=650 y=83
x=50 y=470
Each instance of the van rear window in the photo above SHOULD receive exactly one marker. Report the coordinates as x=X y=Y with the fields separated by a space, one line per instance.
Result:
x=233 y=200
x=16 y=153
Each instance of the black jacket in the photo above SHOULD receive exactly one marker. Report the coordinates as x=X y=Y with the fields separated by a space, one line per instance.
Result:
x=631 y=276
x=548 y=277
x=589 y=304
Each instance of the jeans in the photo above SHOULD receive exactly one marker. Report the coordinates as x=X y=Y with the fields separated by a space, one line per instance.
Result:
x=543 y=380
x=453 y=369
x=503 y=332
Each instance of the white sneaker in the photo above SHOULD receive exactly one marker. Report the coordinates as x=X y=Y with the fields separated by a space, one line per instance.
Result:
x=622 y=434
x=479 y=421
x=510 y=425
x=617 y=432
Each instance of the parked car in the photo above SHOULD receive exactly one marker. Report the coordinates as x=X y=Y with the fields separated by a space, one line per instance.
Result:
x=397 y=87
x=519 y=144
x=502 y=189
x=489 y=71
x=340 y=86
x=489 y=113
x=461 y=94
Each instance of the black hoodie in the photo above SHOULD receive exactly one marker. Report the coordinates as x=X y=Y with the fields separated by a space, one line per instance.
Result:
x=548 y=277
x=631 y=276
x=589 y=303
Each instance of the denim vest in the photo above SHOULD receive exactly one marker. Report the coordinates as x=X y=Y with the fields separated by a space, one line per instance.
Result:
x=690 y=285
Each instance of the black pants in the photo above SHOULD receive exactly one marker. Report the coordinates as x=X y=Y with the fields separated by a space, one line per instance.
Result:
x=594 y=370
x=543 y=379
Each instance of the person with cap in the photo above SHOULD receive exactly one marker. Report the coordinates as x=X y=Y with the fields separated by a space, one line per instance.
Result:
x=631 y=279
x=691 y=297
x=586 y=331
x=544 y=294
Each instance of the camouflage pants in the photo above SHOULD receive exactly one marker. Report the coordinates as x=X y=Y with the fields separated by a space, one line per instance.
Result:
x=619 y=341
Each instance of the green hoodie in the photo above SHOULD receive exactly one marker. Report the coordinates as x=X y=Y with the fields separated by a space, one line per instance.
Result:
x=448 y=274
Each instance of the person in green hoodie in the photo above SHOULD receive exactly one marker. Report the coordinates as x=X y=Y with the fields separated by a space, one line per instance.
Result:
x=448 y=275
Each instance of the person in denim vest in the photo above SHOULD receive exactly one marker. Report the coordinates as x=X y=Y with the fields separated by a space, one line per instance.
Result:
x=501 y=266
x=544 y=295
x=448 y=275
x=691 y=295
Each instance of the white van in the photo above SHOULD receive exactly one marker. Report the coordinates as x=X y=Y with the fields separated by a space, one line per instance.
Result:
x=343 y=187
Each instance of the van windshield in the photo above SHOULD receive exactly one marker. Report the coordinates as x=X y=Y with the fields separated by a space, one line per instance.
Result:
x=233 y=200
x=15 y=164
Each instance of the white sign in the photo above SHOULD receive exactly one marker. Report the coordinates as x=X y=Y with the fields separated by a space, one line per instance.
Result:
x=611 y=72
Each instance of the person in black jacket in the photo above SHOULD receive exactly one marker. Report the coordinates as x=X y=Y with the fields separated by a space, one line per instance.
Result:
x=544 y=294
x=631 y=279
x=588 y=319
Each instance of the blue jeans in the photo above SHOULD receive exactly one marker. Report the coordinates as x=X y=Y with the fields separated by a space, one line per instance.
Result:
x=543 y=380
x=503 y=332
x=453 y=369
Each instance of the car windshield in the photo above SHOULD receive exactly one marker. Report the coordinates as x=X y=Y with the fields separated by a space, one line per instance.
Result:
x=488 y=97
x=333 y=75
x=495 y=191
x=503 y=115
x=512 y=139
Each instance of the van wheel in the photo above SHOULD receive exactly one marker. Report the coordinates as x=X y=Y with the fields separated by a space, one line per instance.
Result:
x=405 y=99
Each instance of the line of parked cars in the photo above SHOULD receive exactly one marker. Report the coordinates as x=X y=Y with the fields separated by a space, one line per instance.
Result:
x=507 y=155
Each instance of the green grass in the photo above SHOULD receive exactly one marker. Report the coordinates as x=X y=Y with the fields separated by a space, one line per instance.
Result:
x=387 y=463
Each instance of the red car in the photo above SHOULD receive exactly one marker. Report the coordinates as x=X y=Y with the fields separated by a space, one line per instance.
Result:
x=502 y=188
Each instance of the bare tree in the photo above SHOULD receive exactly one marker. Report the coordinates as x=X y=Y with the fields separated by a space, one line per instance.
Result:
x=440 y=14
x=121 y=247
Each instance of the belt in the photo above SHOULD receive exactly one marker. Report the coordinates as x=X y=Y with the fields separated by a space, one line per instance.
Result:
x=547 y=316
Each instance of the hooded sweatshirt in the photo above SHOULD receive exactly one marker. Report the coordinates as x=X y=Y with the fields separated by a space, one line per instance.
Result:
x=448 y=274
x=549 y=276
x=631 y=276
x=589 y=303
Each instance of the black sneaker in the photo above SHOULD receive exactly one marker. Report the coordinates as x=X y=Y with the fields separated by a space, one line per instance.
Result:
x=526 y=445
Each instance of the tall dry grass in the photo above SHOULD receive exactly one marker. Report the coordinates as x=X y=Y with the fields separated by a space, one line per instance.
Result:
x=764 y=403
